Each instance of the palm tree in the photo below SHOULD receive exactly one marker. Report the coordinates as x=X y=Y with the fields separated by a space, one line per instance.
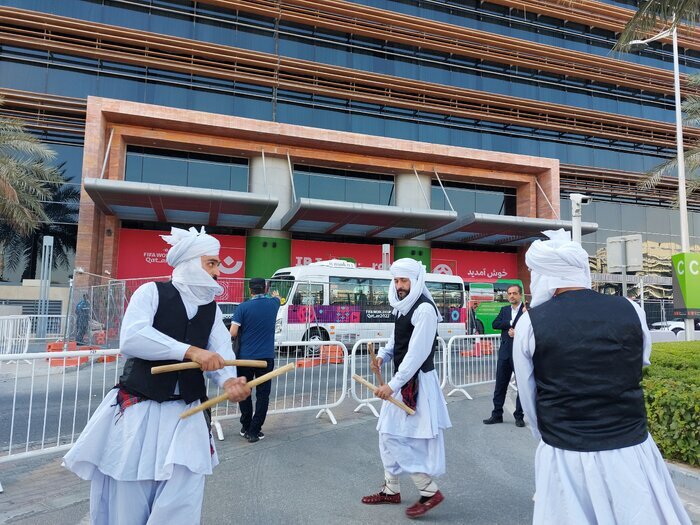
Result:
x=26 y=177
x=61 y=210
x=649 y=18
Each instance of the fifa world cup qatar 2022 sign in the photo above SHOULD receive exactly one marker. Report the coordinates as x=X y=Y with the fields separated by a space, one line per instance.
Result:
x=686 y=285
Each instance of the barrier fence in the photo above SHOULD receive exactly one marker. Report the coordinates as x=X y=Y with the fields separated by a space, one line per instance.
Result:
x=14 y=334
x=471 y=360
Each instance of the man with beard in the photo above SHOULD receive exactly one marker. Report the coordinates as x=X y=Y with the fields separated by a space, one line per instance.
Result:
x=146 y=465
x=411 y=444
x=578 y=359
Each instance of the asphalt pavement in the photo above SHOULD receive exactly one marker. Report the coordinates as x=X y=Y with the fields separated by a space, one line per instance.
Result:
x=309 y=471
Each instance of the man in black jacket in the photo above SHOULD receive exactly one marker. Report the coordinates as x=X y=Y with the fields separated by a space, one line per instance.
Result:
x=505 y=322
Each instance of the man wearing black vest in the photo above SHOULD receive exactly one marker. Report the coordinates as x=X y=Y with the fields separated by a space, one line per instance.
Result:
x=411 y=444
x=578 y=359
x=505 y=322
x=146 y=465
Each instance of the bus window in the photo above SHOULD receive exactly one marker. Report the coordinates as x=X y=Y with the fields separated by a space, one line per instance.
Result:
x=308 y=294
x=349 y=291
x=454 y=297
x=282 y=285
x=380 y=292
x=437 y=291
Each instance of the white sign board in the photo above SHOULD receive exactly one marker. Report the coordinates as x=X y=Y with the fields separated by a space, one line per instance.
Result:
x=625 y=254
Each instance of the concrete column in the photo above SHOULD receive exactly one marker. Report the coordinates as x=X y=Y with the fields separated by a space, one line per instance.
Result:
x=269 y=249
x=411 y=192
x=271 y=177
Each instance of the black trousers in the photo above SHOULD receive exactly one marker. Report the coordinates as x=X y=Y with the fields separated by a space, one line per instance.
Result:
x=504 y=369
x=253 y=422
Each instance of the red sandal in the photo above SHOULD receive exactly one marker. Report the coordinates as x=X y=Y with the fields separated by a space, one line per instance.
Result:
x=418 y=508
x=382 y=497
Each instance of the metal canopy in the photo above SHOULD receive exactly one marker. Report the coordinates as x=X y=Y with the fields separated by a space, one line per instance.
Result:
x=367 y=220
x=501 y=229
x=180 y=204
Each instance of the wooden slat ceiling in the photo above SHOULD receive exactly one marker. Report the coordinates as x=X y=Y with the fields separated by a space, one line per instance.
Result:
x=591 y=13
x=389 y=26
x=49 y=113
x=99 y=41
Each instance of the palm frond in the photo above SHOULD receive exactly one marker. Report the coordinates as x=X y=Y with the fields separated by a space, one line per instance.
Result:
x=654 y=16
x=691 y=108
x=652 y=177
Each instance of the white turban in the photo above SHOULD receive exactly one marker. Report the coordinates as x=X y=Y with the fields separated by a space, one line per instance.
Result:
x=415 y=271
x=556 y=263
x=189 y=277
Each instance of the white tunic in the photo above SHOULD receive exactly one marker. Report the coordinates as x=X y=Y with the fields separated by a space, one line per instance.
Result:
x=149 y=438
x=627 y=486
x=411 y=444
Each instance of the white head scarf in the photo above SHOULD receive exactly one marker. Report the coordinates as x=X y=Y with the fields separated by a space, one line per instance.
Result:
x=189 y=278
x=415 y=271
x=556 y=263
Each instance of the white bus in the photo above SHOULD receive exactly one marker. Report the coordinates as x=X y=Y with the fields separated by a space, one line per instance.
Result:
x=336 y=301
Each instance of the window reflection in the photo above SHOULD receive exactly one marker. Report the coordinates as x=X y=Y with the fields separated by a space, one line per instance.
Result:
x=181 y=168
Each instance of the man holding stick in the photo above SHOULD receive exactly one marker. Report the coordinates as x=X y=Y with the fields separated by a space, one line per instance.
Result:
x=411 y=444
x=145 y=463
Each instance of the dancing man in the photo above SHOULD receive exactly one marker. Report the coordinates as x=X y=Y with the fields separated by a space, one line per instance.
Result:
x=578 y=359
x=146 y=465
x=411 y=444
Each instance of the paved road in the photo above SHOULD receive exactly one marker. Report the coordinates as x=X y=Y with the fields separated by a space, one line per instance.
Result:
x=308 y=471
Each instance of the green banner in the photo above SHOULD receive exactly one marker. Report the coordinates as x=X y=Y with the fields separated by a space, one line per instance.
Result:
x=686 y=285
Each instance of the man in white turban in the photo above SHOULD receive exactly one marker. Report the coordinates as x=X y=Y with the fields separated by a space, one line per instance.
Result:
x=578 y=359
x=412 y=444
x=146 y=465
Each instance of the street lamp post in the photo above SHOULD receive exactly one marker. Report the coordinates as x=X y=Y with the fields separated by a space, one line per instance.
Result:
x=682 y=199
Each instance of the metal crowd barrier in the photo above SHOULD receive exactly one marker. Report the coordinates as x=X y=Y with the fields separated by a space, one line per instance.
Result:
x=14 y=334
x=471 y=360
x=318 y=383
x=51 y=398
x=360 y=361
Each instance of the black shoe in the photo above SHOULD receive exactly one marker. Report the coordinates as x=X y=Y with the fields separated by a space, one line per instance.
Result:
x=243 y=432
x=251 y=438
x=261 y=435
x=493 y=419
x=519 y=422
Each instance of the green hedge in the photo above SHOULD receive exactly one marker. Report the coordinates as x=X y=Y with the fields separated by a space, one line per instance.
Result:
x=672 y=392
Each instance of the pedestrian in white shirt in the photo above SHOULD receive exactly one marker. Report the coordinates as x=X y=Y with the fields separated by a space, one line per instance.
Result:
x=146 y=465
x=412 y=444
x=578 y=359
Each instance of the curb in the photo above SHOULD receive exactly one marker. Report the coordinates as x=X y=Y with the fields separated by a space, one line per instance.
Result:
x=685 y=477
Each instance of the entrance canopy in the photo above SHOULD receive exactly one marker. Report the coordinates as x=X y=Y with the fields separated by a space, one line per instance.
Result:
x=142 y=201
x=367 y=220
x=501 y=229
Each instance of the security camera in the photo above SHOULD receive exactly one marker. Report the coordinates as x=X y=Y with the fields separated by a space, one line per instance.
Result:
x=581 y=199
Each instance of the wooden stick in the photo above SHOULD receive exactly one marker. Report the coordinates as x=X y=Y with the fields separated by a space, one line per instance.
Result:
x=252 y=363
x=373 y=388
x=223 y=397
x=378 y=373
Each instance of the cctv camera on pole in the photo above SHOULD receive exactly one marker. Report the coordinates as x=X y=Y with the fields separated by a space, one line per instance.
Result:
x=577 y=200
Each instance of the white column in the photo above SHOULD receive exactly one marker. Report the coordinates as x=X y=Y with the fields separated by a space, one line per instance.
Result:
x=270 y=176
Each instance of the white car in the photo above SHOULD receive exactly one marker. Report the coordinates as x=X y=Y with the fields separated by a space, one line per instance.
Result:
x=674 y=325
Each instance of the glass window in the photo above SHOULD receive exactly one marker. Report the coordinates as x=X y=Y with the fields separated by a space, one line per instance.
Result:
x=349 y=291
x=308 y=294
x=380 y=292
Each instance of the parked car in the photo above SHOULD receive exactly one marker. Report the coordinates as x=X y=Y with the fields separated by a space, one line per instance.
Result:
x=675 y=325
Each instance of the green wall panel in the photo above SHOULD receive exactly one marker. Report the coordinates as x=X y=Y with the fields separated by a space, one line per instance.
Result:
x=265 y=255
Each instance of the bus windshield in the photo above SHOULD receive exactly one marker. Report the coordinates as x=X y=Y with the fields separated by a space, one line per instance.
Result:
x=282 y=284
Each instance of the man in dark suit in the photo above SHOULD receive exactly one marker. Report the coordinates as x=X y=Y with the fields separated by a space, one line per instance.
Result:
x=505 y=322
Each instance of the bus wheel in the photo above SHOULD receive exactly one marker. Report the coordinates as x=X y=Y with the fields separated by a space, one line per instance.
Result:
x=315 y=334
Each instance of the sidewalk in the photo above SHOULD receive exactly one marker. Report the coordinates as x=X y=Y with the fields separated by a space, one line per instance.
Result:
x=308 y=471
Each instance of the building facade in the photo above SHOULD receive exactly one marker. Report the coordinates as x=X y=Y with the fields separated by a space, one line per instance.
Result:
x=297 y=130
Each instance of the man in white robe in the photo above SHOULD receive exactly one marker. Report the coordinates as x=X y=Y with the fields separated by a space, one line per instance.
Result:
x=146 y=465
x=412 y=444
x=578 y=359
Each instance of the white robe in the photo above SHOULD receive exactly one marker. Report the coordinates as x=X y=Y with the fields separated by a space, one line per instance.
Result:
x=415 y=444
x=627 y=486
x=149 y=440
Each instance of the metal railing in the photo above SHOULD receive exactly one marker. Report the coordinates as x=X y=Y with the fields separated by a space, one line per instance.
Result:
x=14 y=334
x=471 y=360
x=319 y=382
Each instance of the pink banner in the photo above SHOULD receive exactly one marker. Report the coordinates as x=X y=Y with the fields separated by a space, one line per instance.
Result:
x=475 y=266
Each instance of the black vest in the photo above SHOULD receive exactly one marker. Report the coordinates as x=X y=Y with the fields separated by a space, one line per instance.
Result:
x=403 y=329
x=171 y=319
x=588 y=370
